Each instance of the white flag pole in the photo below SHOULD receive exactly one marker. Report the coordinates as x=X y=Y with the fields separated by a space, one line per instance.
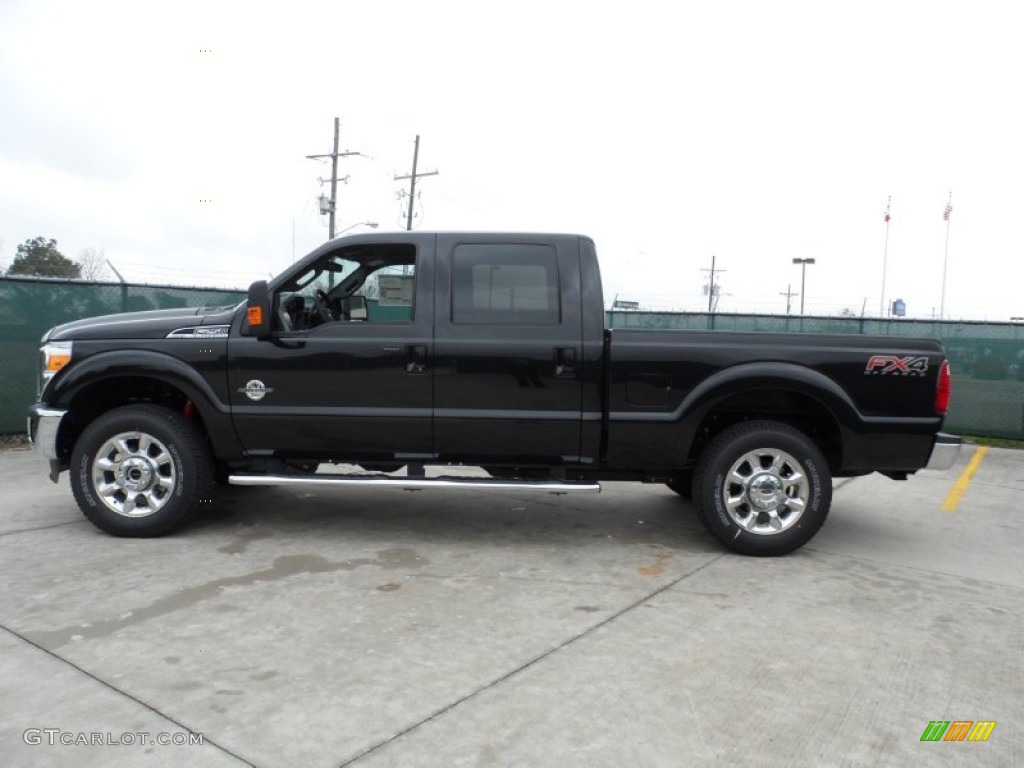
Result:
x=945 y=257
x=885 y=258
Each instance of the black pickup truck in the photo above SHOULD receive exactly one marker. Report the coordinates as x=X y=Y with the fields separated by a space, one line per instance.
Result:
x=392 y=351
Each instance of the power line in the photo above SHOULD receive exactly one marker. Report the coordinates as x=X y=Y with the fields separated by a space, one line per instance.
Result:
x=173 y=270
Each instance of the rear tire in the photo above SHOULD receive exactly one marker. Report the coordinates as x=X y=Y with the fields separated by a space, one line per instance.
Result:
x=762 y=488
x=140 y=470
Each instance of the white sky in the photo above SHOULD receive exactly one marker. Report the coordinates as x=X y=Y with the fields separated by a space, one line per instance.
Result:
x=757 y=131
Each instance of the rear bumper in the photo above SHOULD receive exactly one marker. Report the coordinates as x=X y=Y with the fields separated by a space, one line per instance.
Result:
x=43 y=428
x=944 y=451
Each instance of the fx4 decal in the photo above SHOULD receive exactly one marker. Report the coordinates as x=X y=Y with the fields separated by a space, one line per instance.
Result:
x=890 y=365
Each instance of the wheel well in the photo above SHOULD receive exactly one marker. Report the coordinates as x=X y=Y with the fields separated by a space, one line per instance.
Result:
x=99 y=397
x=793 y=408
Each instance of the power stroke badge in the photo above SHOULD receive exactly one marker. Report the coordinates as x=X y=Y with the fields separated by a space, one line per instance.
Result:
x=255 y=390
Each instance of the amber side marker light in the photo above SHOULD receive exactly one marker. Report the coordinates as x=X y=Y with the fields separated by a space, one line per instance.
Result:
x=53 y=356
x=56 y=354
x=55 y=362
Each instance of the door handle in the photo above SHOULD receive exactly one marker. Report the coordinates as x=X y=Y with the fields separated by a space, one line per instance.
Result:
x=565 y=362
x=290 y=343
x=416 y=359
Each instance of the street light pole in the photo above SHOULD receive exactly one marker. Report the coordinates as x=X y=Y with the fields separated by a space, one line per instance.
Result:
x=803 y=280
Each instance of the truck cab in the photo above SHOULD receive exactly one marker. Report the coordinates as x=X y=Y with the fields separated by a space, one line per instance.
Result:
x=381 y=351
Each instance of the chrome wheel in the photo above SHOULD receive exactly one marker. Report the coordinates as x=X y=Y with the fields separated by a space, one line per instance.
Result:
x=766 y=491
x=134 y=474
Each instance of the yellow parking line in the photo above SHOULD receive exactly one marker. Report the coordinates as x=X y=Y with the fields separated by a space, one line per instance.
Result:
x=960 y=486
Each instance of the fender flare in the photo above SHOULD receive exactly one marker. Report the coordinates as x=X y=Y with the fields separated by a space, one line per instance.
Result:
x=159 y=366
x=760 y=376
x=748 y=377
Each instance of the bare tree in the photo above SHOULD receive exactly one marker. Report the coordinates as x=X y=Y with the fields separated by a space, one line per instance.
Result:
x=94 y=265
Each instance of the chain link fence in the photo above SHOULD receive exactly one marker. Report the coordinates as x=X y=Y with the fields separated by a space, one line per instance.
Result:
x=987 y=359
x=31 y=306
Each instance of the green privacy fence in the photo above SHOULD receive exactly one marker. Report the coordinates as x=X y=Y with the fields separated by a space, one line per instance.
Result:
x=987 y=359
x=30 y=306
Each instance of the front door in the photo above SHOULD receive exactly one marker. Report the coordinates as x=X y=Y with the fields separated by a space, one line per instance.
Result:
x=347 y=372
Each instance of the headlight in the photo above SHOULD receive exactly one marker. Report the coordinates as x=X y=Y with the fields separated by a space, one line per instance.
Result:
x=53 y=356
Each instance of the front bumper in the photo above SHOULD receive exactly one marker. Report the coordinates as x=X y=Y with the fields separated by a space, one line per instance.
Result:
x=43 y=428
x=944 y=451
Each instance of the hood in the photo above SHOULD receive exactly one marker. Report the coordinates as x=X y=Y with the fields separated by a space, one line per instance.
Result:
x=152 y=324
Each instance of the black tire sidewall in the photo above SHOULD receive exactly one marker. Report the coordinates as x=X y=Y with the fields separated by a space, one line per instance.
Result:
x=718 y=460
x=187 y=452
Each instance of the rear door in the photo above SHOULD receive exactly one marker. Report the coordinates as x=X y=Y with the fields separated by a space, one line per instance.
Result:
x=507 y=349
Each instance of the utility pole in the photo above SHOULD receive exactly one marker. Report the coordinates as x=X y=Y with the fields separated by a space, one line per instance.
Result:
x=334 y=182
x=789 y=294
x=412 y=180
x=334 y=155
x=711 y=282
x=803 y=280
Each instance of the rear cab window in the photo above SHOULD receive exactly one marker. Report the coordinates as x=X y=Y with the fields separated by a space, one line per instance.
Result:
x=505 y=284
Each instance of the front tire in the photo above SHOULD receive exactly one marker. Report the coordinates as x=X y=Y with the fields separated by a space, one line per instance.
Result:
x=762 y=488
x=140 y=470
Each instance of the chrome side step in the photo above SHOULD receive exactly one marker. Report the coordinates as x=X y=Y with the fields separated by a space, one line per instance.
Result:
x=418 y=483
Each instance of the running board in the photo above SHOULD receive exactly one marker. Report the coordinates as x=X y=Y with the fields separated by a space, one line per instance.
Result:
x=418 y=483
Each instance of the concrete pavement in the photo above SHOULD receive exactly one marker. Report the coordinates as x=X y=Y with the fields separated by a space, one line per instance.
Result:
x=386 y=628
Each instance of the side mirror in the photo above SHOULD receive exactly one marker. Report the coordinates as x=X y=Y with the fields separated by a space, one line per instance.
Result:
x=257 y=310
